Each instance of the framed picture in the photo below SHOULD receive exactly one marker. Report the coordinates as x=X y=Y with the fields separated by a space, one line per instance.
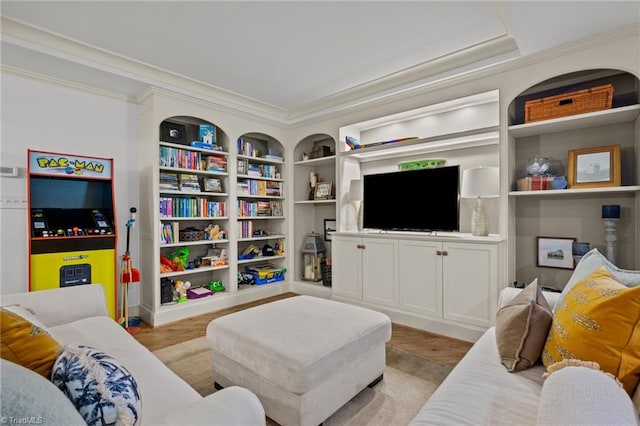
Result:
x=594 y=167
x=174 y=133
x=211 y=185
x=324 y=191
x=555 y=252
x=329 y=226
x=242 y=167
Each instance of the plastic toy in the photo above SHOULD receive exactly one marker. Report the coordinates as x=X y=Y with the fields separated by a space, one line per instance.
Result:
x=213 y=232
x=181 y=288
x=215 y=285
x=183 y=254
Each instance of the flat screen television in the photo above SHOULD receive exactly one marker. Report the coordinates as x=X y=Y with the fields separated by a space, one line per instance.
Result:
x=421 y=200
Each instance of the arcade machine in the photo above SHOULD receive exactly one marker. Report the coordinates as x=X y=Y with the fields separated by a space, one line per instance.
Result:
x=73 y=237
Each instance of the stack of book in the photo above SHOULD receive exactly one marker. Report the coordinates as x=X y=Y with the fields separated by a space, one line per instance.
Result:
x=254 y=170
x=242 y=188
x=189 y=183
x=263 y=208
x=168 y=181
x=216 y=164
x=273 y=189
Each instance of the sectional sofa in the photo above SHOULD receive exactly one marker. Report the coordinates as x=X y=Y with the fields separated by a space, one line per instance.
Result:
x=78 y=316
x=481 y=391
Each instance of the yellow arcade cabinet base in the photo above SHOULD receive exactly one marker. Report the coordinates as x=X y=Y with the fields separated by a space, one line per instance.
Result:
x=64 y=269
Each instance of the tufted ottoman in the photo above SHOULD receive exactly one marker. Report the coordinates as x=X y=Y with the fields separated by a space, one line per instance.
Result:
x=304 y=356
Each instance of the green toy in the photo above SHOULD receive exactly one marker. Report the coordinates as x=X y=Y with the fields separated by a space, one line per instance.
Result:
x=215 y=285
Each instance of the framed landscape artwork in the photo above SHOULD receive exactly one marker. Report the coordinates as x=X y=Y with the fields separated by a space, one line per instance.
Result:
x=554 y=252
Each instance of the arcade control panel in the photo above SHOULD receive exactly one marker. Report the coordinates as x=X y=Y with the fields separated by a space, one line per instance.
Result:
x=69 y=223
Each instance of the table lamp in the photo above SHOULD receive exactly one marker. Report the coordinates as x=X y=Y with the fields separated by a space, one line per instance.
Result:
x=355 y=201
x=610 y=217
x=479 y=183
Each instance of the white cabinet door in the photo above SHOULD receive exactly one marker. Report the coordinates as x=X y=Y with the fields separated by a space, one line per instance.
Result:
x=469 y=282
x=420 y=276
x=347 y=267
x=379 y=273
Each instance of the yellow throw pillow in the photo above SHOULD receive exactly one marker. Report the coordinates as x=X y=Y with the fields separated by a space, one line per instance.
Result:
x=26 y=343
x=598 y=320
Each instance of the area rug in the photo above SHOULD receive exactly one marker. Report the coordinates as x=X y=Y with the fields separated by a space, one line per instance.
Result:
x=408 y=382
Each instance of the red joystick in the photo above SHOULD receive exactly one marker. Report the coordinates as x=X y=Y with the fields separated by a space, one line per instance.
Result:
x=75 y=230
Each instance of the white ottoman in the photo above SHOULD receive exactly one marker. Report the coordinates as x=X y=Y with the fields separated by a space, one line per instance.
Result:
x=305 y=357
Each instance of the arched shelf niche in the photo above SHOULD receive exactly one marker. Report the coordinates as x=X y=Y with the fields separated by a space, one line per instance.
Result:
x=260 y=192
x=567 y=142
x=313 y=211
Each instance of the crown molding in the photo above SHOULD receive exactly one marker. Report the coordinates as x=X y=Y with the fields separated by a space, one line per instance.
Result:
x=8 y=69
x=439 y=82
x=479 y=52
x=58 y=46
x=492 y=56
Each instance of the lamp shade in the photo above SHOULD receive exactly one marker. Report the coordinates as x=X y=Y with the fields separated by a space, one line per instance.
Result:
x=480 y=182
x=611 y=211
x=355 y=190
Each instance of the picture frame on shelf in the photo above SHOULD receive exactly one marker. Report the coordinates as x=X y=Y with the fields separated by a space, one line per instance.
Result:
x=173 y=133
x=329 y=226
x=211 y=185
x=324 y=191
x=242 y=167
x=594 y=167
x=555 y=252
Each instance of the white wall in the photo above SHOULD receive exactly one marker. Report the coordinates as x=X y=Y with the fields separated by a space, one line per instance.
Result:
x=47 y=117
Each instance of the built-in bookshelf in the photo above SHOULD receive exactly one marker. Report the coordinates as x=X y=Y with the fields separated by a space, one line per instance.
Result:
x=193 y=208
x=260 y=194
x=315 y=155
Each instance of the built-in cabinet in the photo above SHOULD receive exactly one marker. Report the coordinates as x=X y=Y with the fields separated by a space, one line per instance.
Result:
x=434 y=283
x=420 y=274
x=260 y=193
x=573 y=212
x=314 y=155
x=366 y=269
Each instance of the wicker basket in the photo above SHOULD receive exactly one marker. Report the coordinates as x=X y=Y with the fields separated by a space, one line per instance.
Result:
x=191 y=235
x=587 y=100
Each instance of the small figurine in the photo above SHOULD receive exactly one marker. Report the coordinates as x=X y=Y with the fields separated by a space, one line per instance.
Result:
x=181 y=288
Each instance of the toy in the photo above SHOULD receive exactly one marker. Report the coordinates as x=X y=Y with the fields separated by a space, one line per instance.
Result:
x=278 y=247
x=183 y=255
x=213 y=232
x=181 y=288
x=215 y=285
x=177 y=264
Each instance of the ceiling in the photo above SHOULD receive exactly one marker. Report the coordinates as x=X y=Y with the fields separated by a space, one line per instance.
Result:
x=288 y=57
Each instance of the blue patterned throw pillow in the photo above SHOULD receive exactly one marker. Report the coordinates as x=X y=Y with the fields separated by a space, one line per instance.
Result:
x=102 y=390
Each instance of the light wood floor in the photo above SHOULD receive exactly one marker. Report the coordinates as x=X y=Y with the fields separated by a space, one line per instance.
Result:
x=444 y=350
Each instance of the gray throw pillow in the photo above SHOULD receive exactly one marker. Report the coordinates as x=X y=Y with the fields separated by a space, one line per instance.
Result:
x=522 y=326
x=27 y=397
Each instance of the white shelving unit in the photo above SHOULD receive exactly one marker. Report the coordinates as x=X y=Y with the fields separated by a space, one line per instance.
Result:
x=261 y=166
x=573 y=213
x=416 y=276
x=310 y=214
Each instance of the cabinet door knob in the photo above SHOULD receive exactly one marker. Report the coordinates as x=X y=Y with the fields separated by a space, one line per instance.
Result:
x=445 y=253
x=360 y=246
x=439 y=253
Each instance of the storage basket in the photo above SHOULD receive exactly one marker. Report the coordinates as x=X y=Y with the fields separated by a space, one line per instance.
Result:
x=579 y=102
x=191 y=236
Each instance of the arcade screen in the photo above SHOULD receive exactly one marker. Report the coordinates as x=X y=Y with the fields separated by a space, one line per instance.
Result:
x=60 y=193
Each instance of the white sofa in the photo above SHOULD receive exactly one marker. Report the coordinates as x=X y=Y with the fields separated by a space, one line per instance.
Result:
x=480 y=391
x=78 y=315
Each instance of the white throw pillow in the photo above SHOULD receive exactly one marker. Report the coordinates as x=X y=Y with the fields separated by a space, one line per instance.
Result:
x=584 y=396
